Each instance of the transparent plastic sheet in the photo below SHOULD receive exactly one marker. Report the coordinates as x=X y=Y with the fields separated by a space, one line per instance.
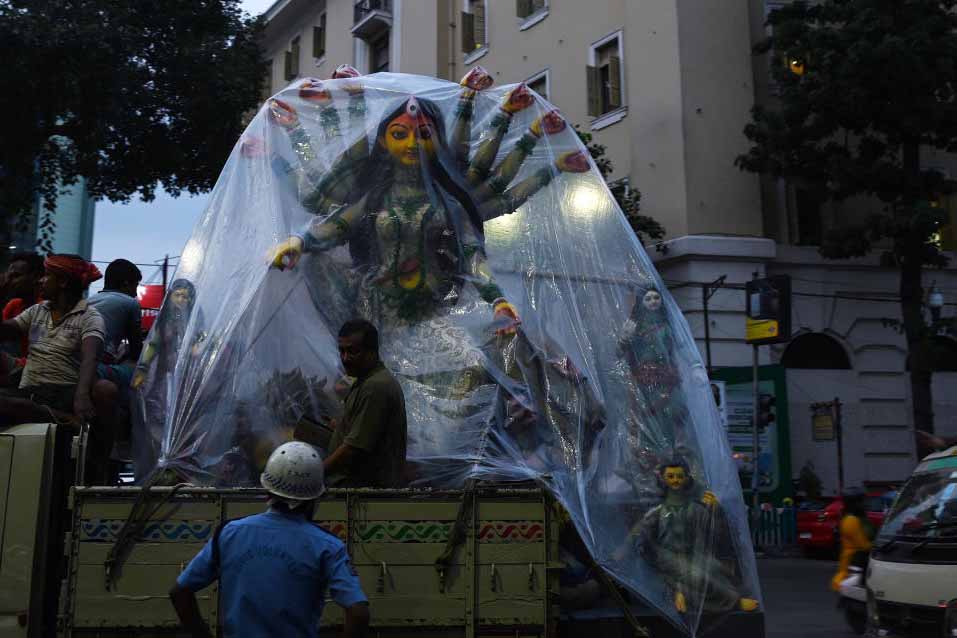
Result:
x=438 y=243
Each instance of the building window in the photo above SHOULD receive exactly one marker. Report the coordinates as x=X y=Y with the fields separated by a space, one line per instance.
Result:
x=319 y=38
x=808 y=206
x=474 y=33
x=528 y=8
x=539 y=83
x=605 y=76
x=379 y=50
x=292 y=60
x=815 y=351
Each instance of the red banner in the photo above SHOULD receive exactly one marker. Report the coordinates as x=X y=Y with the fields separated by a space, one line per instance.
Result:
x=151 y=299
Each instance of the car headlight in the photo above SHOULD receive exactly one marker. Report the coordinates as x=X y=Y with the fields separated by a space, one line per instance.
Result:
x=950 y=619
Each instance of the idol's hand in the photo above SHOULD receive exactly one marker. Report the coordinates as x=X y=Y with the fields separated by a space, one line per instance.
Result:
x=572 y=162
x=680 y=603
x=286 y=254
x=345 y=71
x=283 y=114
x=478 y=79
x=507 y=314
x=709 y=499
x=139 y=377
x=549 y=124
x=354 y=89
x=518 y=99
x=313 y=91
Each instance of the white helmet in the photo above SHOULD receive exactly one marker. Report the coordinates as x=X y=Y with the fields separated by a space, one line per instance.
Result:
x=294 y=473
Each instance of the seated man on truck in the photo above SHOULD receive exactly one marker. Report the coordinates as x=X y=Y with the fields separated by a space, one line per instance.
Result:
x=65 y=340
x=274 y=568
x=66 y=336
x=120 y=309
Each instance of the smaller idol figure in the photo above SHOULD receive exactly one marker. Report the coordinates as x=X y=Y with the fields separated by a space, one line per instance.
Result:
x=153 y=378
x=682 y=537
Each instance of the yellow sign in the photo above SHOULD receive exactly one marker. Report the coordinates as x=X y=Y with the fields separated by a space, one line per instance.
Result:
x=756 y=330
x=823 y=427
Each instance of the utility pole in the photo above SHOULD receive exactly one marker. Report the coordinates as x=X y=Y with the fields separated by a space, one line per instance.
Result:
x=755 y=434
x=707 y=291
x=839 y=433
x=165 y=269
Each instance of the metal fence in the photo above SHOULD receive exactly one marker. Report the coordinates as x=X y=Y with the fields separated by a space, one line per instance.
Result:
x=776 y=527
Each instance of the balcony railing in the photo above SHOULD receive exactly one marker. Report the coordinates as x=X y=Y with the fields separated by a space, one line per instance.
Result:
x=365 y=7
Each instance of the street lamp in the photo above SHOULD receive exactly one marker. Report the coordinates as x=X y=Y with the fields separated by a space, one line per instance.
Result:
x=935 y=301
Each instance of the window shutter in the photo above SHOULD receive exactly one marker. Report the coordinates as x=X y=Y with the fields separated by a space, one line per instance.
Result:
x=614 y=82
x=523 y=8
x=468 y=32
x=319 y=41
x=594 y=91
x=287 y=66
x=478 y=19
x=295 y=58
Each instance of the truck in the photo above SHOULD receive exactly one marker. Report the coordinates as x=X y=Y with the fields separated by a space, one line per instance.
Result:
x=487 y=561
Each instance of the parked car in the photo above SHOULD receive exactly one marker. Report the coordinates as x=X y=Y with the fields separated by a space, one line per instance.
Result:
x=818 y=520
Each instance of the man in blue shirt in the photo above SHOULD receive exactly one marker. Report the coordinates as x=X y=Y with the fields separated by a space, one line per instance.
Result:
x=122 y=342
x=275 y=568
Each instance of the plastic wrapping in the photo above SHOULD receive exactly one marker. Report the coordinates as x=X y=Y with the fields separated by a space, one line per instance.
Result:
x=516 y=308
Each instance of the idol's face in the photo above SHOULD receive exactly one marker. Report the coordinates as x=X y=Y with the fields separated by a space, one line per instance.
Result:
x=406 y=138
x=180 y=297
x=675 y=478
x=652 y=300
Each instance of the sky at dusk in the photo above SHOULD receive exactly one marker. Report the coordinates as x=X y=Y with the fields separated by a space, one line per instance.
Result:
x=145 y=232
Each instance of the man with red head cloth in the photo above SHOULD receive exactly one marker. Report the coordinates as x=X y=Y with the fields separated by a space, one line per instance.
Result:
x=66 y=336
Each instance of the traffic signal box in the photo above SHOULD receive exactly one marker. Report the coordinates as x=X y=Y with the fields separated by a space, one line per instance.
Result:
x=766 y=415
x=768 y=310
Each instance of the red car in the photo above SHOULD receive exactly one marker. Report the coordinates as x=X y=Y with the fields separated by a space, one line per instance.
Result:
x=818 y=519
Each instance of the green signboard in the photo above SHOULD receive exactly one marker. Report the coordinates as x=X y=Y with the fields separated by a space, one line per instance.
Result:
x=774 y=453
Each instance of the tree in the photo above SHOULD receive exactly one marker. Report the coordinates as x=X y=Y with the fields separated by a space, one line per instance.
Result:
x=126 y=94
x=644 y=227
x=865 y=86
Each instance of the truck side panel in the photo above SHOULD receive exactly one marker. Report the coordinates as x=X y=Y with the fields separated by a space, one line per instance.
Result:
x=25 y=473
x=498 y=577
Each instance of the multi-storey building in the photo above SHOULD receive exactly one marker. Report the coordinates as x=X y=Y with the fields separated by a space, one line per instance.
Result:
x=667 y=86
x=68 y=228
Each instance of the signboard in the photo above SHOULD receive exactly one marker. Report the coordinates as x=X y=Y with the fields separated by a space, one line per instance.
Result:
x=760 y=329
x=822 y=422
x=150 y=297
x=740 y=406
x=773 y=460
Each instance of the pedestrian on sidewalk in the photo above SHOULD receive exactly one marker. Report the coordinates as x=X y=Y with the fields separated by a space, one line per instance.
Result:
x=857 y=535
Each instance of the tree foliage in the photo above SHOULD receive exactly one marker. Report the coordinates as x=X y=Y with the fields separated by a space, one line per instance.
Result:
x=126 y=94
x=864 y=87
x=644 y=227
